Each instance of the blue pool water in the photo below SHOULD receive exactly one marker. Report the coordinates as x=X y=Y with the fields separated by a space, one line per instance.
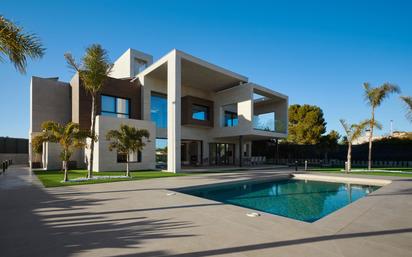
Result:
x=302 y=200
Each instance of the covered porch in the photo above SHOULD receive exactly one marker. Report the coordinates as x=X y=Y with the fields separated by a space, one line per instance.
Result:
x=217 y=169
x=229 y=153
x=185 y=82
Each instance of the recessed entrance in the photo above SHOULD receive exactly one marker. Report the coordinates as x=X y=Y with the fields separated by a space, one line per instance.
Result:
x=221 y=154
x=191 y=152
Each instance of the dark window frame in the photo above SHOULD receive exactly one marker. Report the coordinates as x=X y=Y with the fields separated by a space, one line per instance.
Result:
x=233 y=116
x=115 y=105
x=207 y=113
x=159 y=95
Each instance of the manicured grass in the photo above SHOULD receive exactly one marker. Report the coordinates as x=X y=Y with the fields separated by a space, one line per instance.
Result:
x=375 y=173
x=54 y=178
x=356 y=168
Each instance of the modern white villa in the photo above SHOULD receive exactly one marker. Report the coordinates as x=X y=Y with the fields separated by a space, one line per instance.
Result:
x=198 y=114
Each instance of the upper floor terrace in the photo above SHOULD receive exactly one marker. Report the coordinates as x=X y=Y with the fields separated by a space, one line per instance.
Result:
x=185 y=90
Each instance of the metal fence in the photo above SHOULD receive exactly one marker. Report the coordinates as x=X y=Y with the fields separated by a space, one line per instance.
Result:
x=340 y=163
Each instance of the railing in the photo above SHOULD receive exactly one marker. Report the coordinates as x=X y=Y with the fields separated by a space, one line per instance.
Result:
x=340 y=163
x=267 y=122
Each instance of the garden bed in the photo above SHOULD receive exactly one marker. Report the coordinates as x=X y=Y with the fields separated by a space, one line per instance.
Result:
x=55 y=178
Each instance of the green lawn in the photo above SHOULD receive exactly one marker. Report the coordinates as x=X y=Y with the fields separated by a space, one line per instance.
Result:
x=376 y=173
x=54 y=178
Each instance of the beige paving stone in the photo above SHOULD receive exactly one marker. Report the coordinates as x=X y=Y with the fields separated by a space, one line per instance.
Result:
x=138 y=218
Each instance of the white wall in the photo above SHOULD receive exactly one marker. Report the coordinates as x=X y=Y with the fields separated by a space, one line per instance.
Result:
x=106 y=160
x=51 y=157
x=240 y=95
x=124 y=66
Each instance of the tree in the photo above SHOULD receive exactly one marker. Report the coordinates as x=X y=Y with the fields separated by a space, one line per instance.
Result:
x=127 y=140
x=18 y=45
x=93 y=72
x=306 y=124
x=408 y=103
x=69 y=137
x=353 y=132
x=374 y=97
x=329 y=142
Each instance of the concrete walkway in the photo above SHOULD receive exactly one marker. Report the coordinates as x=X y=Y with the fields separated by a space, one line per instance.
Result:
x=139 y=218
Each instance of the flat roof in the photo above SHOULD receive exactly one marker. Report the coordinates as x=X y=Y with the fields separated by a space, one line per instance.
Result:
x=196 y=73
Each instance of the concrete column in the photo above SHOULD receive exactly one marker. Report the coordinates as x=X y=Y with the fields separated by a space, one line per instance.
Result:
x=173 y=112
x=240 y=150
x=44 y=155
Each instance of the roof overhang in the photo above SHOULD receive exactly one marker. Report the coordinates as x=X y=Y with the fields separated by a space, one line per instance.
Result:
x=196 y=73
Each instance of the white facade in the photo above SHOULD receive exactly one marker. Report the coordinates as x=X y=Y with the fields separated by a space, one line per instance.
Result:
x=106 y=160
x=230 y=97
x=177 y=75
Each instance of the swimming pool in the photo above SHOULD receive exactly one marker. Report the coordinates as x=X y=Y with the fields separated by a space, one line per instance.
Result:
x=303 y=200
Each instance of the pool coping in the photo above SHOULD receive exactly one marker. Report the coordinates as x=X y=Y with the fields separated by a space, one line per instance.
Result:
x=333 y=222
x=351 y=180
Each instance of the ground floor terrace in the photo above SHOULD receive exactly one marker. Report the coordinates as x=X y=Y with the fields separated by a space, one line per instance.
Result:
x=196 y=149
x=147 y=218
x=221 y=153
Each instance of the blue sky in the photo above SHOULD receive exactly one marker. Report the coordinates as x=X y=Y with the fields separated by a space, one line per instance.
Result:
x=317 y=52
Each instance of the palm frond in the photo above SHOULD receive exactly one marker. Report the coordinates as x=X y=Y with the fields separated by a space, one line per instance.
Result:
x=377 y=125
x=18 y=45
x=374 y=96
x=127 y=139
x=37 y=143
x=354 y=131
x=359 y=128
x=71 y=62
x=345 y=126
x=94 y=68
x=408 y=103
x=69 y=137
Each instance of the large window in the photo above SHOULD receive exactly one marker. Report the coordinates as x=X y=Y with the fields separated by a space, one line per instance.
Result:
x=115 y=106
x=200 y=112
x=230 y=119
x=221 y=154
x=161 y=153
x=158 y=109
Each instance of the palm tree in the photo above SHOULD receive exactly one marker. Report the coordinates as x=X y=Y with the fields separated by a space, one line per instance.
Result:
x=127 y=140
x=408 y=102
x=353 y=132
x=18 y=45
x=69 y=137
x=374 y=96
x=93 y=72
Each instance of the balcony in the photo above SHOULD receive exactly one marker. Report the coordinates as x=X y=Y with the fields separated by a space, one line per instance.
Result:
x=269 y=112
x=268 y=122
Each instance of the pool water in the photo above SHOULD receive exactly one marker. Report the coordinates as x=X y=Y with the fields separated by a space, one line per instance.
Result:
x=303 y=200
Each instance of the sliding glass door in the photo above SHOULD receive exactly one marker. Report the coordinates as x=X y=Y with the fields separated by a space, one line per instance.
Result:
x=221 y=154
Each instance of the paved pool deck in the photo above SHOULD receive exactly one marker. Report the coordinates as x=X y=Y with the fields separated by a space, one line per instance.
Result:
x=140 y=218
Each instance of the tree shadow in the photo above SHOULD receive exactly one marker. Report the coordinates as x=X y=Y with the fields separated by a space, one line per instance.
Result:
x=254 y=247
x=73 y=192
x=87 y=215
x=35 y=222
